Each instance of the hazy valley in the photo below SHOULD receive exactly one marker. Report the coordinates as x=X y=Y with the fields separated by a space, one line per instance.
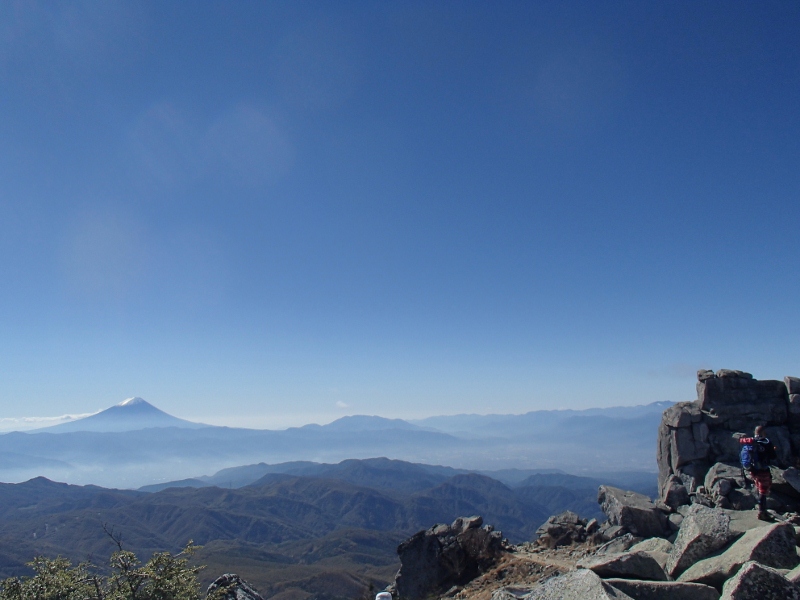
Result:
x=112 y=448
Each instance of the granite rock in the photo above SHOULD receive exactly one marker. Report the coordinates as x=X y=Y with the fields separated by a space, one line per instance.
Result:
x=772 y=546
x=703 y=531
x=664 y=590
x=627 y=565
x=674 y=492
x=562 y=530
x=576 y=585
x=434 y=560
x=653 y=545
x=757 y=582
x=635 y=512
x=695 y=435
x=618 y=545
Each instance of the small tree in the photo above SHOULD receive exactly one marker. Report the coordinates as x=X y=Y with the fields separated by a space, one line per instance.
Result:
x=163 y=577
x=54 y=579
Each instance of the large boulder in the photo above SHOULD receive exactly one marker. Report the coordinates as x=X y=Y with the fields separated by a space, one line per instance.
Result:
x=434 y=560
x=703 y=531
x=757 y=582
x=628 y=565
x=658 y=548
x=632 y=511
x=576 y=585
x=231 y=587
x=782 y=485
x=562 y=530
x=674 y=492
x=653 y=545
x=773 y=546
x=663 y=590
x=724 y=472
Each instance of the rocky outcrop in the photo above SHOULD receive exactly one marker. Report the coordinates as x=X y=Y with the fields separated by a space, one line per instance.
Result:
x=231 y=587
x=434 y=560
x=757 y=582
x=693 y=436
x=565 y=529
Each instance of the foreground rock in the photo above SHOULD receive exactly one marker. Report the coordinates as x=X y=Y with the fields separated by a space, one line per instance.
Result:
x=628 y=565
x=772 y=546
x=435 y=560
x=231 y=587
x=756 y=582
x=631 y=511
x=577 y=585
x=658 y=548
x=703 y=531
x=663 y=590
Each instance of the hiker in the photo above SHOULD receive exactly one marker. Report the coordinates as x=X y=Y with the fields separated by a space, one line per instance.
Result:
x=756 y=454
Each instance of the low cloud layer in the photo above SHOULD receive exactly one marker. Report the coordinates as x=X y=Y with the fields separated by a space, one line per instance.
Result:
x=28 y=423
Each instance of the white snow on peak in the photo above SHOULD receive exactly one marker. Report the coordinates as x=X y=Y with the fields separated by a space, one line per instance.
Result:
x=130 y=401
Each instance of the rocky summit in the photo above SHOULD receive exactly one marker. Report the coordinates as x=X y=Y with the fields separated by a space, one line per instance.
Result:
x=698 y=442
x=699 y=540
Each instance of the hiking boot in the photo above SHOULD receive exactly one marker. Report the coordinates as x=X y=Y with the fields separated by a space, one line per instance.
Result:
x=764 y=516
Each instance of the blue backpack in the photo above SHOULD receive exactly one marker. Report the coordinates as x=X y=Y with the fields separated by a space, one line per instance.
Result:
x=755 y=453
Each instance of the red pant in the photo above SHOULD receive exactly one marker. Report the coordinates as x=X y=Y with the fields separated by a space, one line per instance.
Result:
x=763 y=480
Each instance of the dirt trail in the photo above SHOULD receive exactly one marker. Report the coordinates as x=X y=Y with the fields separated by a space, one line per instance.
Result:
x=521 y=568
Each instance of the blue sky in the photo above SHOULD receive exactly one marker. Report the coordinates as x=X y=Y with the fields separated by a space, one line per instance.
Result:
x=272 y=213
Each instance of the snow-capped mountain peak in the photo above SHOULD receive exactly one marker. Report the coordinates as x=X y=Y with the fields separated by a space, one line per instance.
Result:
x=129 y=415
x=132 y=401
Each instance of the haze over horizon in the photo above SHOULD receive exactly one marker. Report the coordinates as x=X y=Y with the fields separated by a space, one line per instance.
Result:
x=37 y=424
x=272 y=214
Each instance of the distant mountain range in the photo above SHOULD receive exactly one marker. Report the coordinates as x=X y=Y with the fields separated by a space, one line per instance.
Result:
x=386 y=474
x=296 y=527
x=134 y=444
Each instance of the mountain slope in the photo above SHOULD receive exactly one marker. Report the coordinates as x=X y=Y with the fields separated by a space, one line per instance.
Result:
x=337 y=525
x=284 y=522
x=128 y=415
